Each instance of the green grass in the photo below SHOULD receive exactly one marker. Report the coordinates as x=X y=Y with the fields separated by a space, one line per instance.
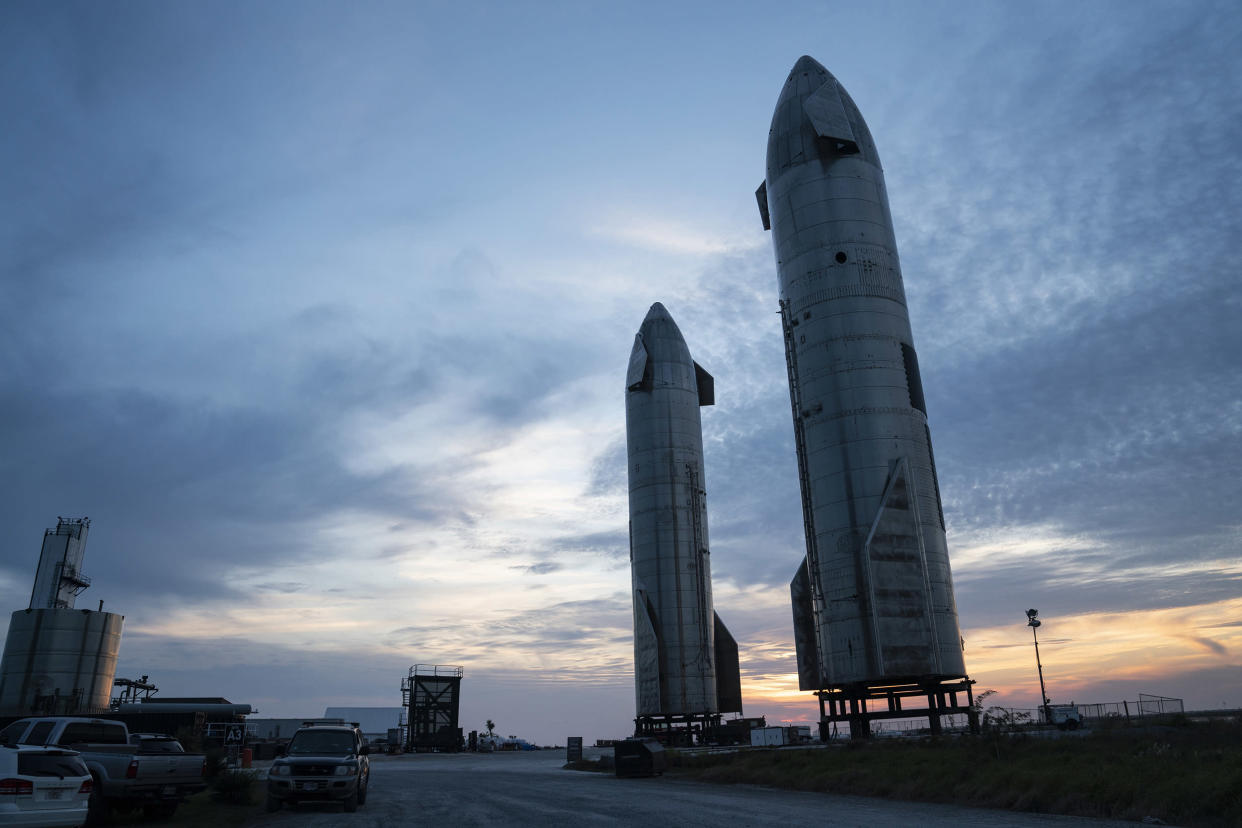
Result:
x=1188 y=775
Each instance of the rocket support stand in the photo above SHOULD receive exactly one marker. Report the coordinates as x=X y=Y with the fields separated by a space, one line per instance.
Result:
x=677 y=730
x=849 y=704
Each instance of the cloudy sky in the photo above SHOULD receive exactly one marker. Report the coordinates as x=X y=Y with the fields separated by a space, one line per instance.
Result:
x=321 y=312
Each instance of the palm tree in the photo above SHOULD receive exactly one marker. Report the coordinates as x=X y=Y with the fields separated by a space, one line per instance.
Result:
x=491 y=727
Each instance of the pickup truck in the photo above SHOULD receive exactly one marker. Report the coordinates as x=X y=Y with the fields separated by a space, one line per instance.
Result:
x=125 y=775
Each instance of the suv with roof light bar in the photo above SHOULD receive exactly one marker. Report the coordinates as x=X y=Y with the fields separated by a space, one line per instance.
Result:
x=323 y=763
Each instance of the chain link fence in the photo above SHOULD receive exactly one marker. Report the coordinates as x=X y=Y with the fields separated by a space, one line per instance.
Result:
x=1147 y=705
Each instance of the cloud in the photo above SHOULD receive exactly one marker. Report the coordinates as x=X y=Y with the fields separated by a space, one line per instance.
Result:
x=610 y=544
x=580 y=640
x=541 y=568
x=1210 y=645
x=665 y=235
x=281 y=586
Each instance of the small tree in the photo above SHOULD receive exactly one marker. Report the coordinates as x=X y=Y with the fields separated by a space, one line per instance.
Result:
x=977 y=704
x=998 y=718
x=491 y=728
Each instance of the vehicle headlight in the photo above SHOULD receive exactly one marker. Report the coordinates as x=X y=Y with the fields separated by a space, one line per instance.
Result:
x=346 y=770
x=281 y=770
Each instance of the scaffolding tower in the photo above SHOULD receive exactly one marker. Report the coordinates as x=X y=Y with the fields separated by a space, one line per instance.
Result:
x=431 y=697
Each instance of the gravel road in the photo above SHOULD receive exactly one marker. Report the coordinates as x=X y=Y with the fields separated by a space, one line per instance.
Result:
x=531 y=789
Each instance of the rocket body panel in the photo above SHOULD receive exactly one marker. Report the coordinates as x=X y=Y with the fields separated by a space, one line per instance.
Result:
x=875 y=597
x=669 y=557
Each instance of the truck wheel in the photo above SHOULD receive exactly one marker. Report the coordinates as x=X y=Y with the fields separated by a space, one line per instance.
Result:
x=362 y=794
x=351 y=803
x=273 y=804
x=97 y=809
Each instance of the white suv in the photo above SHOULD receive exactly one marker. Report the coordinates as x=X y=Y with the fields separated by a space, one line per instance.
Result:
x=42 y=786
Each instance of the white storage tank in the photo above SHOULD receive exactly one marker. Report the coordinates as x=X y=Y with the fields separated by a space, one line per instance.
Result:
x=59 y=661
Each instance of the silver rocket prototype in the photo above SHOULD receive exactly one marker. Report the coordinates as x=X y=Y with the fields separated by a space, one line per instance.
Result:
x=873 y=599
x=685 y=661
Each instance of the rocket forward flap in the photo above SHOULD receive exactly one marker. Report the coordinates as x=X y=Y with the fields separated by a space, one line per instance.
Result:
x=806 y=642
x=761 y=196
x=707 y=385
x=827 y=115
x=637 y=375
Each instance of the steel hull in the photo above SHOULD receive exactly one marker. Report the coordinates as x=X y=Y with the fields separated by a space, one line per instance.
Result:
x=873 y=600
x=674 y=634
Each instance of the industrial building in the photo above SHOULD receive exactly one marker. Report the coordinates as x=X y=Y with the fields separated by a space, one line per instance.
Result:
x=875 y=622
x=59 y=659
x=374 y=722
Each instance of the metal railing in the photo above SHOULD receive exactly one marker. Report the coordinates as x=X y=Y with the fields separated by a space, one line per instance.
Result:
x=449 y=670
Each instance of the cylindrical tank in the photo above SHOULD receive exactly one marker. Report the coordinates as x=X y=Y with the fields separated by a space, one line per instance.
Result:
x=59 y=661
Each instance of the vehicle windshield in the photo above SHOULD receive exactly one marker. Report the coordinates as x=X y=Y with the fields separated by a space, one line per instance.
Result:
x=321 y=743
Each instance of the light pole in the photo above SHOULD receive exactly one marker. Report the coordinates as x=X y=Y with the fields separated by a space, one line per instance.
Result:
x=1032 y=621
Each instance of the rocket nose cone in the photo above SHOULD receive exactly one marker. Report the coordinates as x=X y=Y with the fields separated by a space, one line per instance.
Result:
x=813 y=105
x=807 y=75
x=806 y=63
x=660 y=331
x=657 y=312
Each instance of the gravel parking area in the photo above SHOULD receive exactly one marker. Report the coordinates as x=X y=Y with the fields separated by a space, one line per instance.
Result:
x=531 y=789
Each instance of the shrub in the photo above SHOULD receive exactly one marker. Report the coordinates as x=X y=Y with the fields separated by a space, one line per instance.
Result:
x=235 y=787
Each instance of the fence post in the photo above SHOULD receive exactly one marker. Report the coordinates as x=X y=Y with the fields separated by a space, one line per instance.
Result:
x=1126 y=705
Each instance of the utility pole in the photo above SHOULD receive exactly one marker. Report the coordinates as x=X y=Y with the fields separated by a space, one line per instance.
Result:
x=1032 y=621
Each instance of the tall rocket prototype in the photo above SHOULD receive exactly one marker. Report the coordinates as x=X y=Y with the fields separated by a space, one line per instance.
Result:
x=685 y=660
x=873 y=599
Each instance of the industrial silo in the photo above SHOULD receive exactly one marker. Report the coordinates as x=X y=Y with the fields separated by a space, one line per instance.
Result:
x=58 y=659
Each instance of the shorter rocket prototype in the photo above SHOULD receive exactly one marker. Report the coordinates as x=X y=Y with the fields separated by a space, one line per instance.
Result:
x=685 y=660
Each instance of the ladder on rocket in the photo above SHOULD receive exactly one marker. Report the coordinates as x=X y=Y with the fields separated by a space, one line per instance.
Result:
x=804 y=477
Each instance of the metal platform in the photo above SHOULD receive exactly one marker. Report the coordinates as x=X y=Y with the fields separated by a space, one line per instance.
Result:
x=678 y=730
x=851 y=704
